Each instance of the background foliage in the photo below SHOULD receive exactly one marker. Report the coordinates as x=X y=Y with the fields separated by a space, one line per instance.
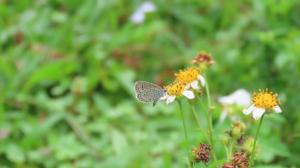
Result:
x=67 y=70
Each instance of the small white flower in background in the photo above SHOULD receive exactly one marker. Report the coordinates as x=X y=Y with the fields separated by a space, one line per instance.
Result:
x=262 y=101
x=240 y=97
x=176 y=89
x=138 y=16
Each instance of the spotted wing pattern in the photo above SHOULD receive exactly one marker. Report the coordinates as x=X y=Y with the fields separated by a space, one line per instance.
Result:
x=148 y=92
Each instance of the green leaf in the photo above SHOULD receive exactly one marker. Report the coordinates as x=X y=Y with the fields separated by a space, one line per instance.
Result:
x=52 y=71
x=14 y=153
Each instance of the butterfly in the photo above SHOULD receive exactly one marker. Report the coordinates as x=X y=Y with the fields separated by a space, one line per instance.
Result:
x=148 y=92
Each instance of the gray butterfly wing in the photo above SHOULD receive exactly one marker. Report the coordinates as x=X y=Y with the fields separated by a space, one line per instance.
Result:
x=148 y=92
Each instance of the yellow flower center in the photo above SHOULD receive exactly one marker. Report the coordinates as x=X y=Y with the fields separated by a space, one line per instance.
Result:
x=265 y=99
x=187 y=76
x=175 y=89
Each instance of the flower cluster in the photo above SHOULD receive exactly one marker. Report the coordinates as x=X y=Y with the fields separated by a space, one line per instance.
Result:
x=186 y=82
x=240 y=147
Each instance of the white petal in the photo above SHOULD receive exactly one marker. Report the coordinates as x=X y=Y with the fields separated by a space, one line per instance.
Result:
x=226 y=100
x=202 y=80
x=277 y=109
x=223 y=116
x=170 y=99
x=164 y=97
x=239 y=97
x=195 y=85
x=242 y=97
x=258 y=112
x=189 y=94
x=249 y=109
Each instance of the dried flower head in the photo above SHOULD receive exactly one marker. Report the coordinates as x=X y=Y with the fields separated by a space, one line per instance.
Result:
x=227 y=165
x=262 y=101
x=240 y=160
x=203 y=57
x=202 y=153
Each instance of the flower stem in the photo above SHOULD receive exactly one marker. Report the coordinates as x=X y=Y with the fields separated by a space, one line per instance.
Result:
x=183 y=122
x=230 y=150
x=255 y=140
x=209 y=119
x=198 y=120
x=185 y=133
x=227 y=151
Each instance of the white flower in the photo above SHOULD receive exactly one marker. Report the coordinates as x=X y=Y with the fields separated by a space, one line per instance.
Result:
x=138 y=16
x=262 y=101
x=186 y=82
x=240 y=97
x=191 y=78
x=177 y=89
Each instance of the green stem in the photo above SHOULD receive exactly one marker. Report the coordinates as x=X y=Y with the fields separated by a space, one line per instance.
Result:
x=198 y=120
x=185 y=132
x=227 y=152
x=209 y=119
x=183 y=122
x=190 y=165
x=255 y=140
x=230 y=150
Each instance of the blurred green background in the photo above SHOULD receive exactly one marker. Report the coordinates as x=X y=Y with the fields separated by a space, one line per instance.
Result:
x=67 y=70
